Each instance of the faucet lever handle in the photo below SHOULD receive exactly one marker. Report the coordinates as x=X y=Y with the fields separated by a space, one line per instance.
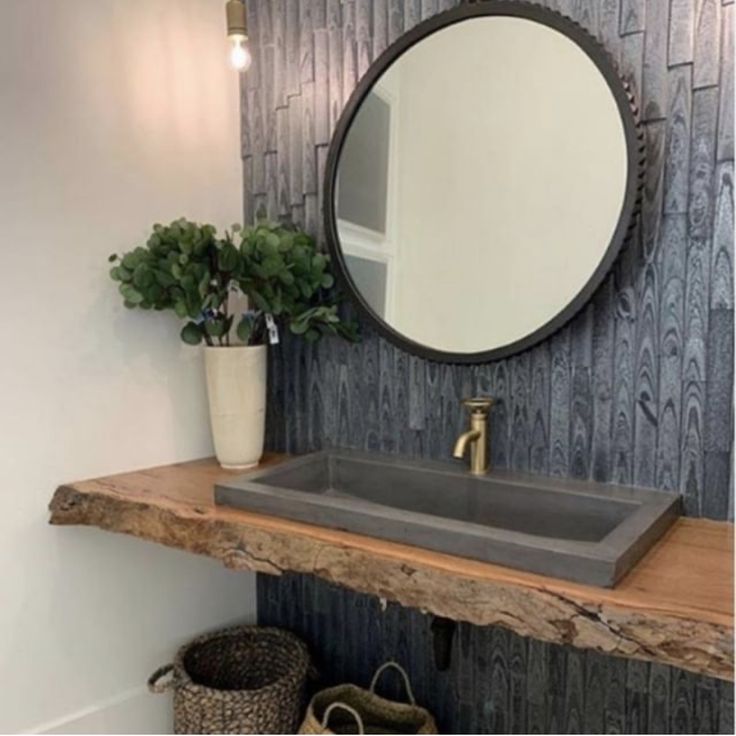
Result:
x=478 y=404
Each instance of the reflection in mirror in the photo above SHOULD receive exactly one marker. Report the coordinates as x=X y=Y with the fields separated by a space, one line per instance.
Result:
x=480 y=184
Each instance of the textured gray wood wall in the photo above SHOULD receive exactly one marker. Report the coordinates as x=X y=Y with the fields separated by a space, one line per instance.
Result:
x=637 y=389
x=497 y=682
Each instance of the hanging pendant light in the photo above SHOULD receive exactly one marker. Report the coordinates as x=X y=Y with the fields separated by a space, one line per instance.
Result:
x=237 y=34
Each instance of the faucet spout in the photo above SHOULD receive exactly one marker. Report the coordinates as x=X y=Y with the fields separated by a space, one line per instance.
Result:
x=476 y=437
x=462 y=442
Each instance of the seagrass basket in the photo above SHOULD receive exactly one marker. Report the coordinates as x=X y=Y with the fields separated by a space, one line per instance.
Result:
x=347 y=709
x=245 y=679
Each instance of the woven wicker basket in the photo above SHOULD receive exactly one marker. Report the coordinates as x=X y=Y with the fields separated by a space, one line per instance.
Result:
x=350 y=709
x=245 y=679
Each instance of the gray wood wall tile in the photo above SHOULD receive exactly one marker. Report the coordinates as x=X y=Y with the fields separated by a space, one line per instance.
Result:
x=625 y=391
x=638 y=388
x=707 y=43
x=681 y=32
x=497 y=682
x=654 y=91
x=725 y=108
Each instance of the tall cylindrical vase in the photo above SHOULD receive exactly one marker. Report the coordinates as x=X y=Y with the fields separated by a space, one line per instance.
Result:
x=236 y=389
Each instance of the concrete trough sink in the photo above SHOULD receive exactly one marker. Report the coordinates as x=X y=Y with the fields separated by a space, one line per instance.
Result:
x=582 y=531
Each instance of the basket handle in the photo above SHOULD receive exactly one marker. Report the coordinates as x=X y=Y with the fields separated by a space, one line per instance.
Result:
x=396 y=666
x=153 y=681
x=342 y=706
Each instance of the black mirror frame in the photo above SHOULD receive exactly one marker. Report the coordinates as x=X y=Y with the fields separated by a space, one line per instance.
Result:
x=635 y=148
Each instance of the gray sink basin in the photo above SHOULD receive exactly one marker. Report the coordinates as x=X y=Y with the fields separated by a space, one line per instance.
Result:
x=587 y=532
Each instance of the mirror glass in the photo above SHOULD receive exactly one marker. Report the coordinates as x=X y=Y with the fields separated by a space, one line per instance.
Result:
x=479 y=184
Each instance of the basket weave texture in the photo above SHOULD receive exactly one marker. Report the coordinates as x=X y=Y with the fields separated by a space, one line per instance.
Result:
x=245 y=679
x=348 y=709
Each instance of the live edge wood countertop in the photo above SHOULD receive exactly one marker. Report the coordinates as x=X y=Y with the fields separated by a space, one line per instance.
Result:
x=674 y=607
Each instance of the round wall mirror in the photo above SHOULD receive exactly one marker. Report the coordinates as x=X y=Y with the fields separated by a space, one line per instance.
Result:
x=481 y=181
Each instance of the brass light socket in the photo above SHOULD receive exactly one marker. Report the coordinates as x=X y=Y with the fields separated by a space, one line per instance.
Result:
x=237 y=21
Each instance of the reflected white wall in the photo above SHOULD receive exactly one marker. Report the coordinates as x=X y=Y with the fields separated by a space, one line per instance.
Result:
x=510 y=180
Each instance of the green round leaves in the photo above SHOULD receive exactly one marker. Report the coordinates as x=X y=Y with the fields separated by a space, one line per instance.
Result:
x=185 y=267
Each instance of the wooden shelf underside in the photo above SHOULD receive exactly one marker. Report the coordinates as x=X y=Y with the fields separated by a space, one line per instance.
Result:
x=674 y=607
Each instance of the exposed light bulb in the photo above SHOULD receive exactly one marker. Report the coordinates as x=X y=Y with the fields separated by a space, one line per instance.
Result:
x=240 y=56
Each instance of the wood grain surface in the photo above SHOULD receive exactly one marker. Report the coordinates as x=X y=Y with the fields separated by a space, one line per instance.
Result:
x=637 y=389
x=626 y=391
x=675 y=606
x=497 y=681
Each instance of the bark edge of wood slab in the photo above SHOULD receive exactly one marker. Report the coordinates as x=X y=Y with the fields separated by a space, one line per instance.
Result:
x=675 y=607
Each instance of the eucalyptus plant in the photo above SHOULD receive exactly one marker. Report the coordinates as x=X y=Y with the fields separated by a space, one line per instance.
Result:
x=187 y=268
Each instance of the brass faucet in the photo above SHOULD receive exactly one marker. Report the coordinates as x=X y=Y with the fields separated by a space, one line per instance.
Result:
x=476 y=436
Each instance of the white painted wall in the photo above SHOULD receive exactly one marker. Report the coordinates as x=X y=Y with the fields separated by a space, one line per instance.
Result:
x=511 y=178
x=114 y=114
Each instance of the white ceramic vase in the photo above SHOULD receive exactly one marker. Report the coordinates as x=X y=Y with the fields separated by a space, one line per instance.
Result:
x=236 y=389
